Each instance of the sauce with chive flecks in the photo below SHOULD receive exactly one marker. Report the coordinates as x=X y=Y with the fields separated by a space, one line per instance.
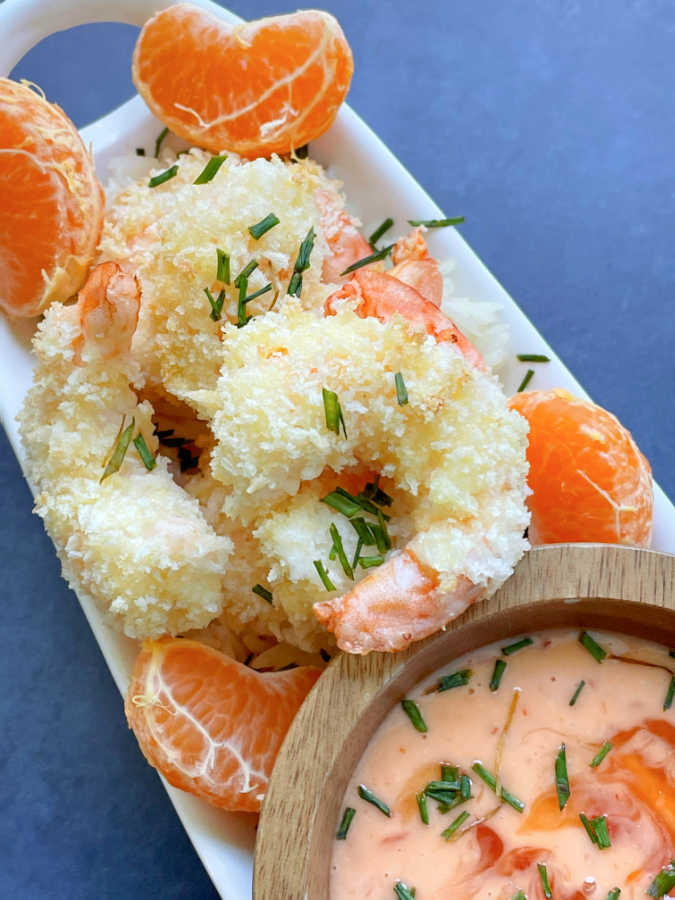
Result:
x=514 y=788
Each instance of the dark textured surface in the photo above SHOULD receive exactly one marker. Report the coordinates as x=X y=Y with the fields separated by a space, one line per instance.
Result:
x=550 y=126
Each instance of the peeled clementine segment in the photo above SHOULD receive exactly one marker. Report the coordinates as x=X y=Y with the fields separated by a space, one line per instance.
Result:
x=262 y=87
x=211 y=725
x=52 y=203
x=589 y=480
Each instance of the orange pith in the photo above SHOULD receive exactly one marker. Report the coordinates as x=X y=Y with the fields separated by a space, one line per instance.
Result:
x=52 y=204
x=211 y=725
x=590 y=481
x=258 y=88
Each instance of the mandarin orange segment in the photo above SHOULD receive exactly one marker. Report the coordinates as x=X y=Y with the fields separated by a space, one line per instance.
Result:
x=589 y=480
x=262 y=87
x=209 y=724
x=52 y=203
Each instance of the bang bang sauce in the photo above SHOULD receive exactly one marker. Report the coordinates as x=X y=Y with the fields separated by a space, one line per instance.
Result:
x=535 y=768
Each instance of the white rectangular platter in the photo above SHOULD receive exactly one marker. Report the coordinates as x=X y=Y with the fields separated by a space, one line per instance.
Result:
x=370 y=173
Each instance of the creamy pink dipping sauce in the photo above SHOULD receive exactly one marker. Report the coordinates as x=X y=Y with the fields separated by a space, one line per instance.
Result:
x=495 y=850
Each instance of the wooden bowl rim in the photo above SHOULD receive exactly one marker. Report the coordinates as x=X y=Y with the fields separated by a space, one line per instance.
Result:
x=563 y=582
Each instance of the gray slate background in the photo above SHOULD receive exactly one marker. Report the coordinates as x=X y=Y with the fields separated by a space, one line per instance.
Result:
x=550 y=125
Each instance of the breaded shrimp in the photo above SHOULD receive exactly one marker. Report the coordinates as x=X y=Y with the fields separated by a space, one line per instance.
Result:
x=414 y=265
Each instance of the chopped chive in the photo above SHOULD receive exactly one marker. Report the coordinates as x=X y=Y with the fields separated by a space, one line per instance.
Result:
x=401 y=389
x=366 y=260
x=422 y=806
x=454 y=825
x=149 y=460
x=357 y=553
x=449 y=773
x=436 y=223
x=543 y=874
x=533 y=357
x=260 y=228
x=465 y=787
x=403 y=892
x=670 y=694
x=497 y=672
x=343 y=503
x=167 y=175
x=248 y=269
x=382 y=538
x=370 y=562
x=614 y=894
x=379 y=231
x=258 y=293
x=362 y=528
x=323 y=575
x=663 y=882
x=562 y=782
x=373 y=491
x=454 y=680
x=262 y=592
x=589 y=828
x=442 y=787
x=491 y=782
x=592 y=646
x=575 y=695
x=599 y=826
x=208 y=173
x=518 y=645
x=369 y=797
x=340 y=550
x=601 y=754
x=345 y=822
x=301 y=264
x=242 y=318
x=216 y=304
x=119 y=451
x=333 y=412
x=140 y=151
x=412 y=711
x=160 y=140
x=526 y=380
x=223 y=272
x=519 y=895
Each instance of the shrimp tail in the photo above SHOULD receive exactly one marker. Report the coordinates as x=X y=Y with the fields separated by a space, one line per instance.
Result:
x=394 y=607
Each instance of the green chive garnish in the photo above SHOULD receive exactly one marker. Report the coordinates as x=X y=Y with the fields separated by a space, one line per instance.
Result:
x=533 y=357
x=497 y=672
x=209 y=172
x=575 y=695
x=369 y=797
x=453 y=826
x=242 y=318
x=345 y=822
x=258 y=293
x=491 y=782
x=589 y=828
x=140 y=151
x=382 y=541
x=436 y=223
x=373 y=491
x=401 y=389
x=340 y=550
x=599 y=826
x=455 y=680
x=518 y=645
x=519 y=895
x=119 y=450
x=301 y=264
x=349 y=505
x=379 y=231
x=668 y=702
x=562 y=782
x=526 y=380
x=465 y=787
x=614 y=894
x=412 y=710
x=149 y=460
x=248 y=269
x=543 y=874
x=403 y=892
x=260 y=228
x=422 y=806
x=362 y=528
x=323 y=575
x=449 y=773
x=663 y=882
x=366 y=260
x=223 y=272
x=333 y=412
x=156 y=180
x=216 y=304
x=601 y=754
x=262 y=592
x=592 y=646
x=160 y=140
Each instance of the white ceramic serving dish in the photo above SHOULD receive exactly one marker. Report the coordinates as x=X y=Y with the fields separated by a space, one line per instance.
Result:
x=369 y=172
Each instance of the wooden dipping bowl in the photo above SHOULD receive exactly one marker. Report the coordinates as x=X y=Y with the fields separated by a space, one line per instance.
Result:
x=593 y=585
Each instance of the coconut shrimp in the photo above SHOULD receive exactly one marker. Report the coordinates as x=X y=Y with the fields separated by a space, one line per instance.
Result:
x=416 y=267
